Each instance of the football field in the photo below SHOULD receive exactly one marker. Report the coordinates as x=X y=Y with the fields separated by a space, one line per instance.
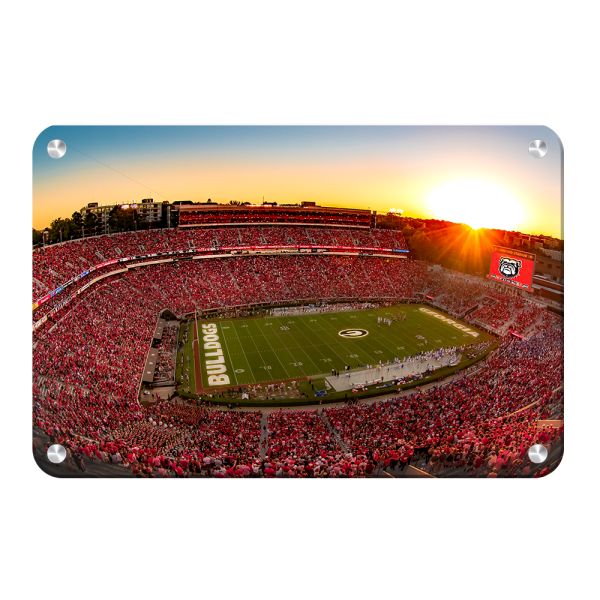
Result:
x=269 y=349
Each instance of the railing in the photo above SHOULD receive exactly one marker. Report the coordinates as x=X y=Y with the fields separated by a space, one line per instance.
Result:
x=68 y=299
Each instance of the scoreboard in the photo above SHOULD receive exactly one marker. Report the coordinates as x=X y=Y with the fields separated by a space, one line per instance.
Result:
x=512 y=267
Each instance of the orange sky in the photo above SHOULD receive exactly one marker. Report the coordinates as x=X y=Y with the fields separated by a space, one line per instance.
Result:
x=363 y=167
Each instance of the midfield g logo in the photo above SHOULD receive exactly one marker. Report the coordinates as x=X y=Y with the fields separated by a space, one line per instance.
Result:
x=509 y=267
x=353 y=333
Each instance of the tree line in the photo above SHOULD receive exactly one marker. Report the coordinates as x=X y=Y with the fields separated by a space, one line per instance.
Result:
x=452 y=245
x=77 y=226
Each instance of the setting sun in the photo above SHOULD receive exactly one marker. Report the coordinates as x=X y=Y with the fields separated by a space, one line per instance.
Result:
x=477 y=204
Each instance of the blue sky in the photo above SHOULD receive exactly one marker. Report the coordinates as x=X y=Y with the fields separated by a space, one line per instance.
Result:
x=378 y=167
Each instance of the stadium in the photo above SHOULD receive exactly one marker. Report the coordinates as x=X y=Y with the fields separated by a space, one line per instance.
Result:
x=288 y=341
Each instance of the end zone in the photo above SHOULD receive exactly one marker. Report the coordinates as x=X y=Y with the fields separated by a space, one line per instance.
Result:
x=450 y=321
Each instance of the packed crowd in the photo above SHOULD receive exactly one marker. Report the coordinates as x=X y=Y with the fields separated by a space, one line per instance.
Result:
x=547 y=321
x=301 y=445
x=526 y=318
x=453 y=292
x=229 y=282
x=321 y=308
x=482 y=424
x=55 y=265
x=238 y=313
x=87 y=364
x=498 y=315
x=466 y=420
x=101 y=344
x=166 y=352
x=298 y=435
x=164 y=438
x=456 y=305
x=266 y=215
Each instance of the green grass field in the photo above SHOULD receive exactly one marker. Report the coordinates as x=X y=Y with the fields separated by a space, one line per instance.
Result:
x=258 y=350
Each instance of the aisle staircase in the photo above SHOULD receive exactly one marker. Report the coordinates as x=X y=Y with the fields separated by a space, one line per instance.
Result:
x=264 y=435
x=334 y=433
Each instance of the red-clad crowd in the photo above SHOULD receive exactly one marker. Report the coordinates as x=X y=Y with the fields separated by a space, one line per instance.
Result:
x=299 y=434
x=163 y=440
x=482 y=424
x=102 y=342
x=165 y=369
x=498 y=315
x=88 y=359
x=54 y=265
x=525 y=319
x=184 y=286
x=466 y=420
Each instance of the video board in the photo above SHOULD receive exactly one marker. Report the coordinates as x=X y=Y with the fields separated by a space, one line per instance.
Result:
x=512 y=267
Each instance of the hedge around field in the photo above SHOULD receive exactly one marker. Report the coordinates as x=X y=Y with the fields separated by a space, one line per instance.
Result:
x=340 y=396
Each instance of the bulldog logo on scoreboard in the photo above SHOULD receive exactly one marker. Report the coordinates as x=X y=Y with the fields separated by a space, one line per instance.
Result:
x=353 y=333
x=509 y=267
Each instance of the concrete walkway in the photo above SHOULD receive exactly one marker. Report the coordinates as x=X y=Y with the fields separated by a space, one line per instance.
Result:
x=384 y=395
x=384 y=373
x=264 y=434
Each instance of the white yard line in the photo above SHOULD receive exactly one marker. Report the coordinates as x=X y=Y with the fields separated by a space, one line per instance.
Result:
x=345 y=361
x=315 y=346
x=288 y=351
x=244 y=352
x=301 y=348
x=275 y=353
x=377 y=341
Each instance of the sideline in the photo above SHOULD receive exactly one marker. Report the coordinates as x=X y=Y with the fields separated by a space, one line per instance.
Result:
x=197 y=367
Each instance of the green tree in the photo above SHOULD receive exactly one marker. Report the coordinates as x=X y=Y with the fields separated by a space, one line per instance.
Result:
x=420 y=244
x=120 y=220
x=77 y=219
x=408 y=232
x=37 y=237
x=388 y=221
x=71 y=231
x=90 y=223
x=113 y=218
x=68 y=230
x=56 y=227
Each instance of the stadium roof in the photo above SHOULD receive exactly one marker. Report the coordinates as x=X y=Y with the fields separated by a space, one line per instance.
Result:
x=548 y=289
x=148 y=376
x=270 y=207
x=158 y=332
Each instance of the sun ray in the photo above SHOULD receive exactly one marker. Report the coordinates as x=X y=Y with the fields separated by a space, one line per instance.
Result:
x=477 y=204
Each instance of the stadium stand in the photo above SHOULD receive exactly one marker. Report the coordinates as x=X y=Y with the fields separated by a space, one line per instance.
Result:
x=88 y=357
